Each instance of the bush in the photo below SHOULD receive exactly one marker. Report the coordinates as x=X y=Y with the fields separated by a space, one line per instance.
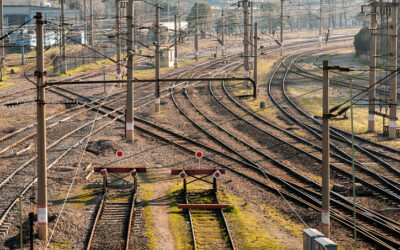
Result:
x=361 y=41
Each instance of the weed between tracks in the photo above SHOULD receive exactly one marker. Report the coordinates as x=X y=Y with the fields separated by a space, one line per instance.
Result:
x=247 y=229
x=144 y=195
x=178 y=219
x=312 y=104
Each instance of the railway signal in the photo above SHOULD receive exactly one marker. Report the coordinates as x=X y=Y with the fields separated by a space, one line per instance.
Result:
x=217 y=174
x=133 y=173
x=103 y=172
x=182 y=174
x=199 y=155
x=119 y=153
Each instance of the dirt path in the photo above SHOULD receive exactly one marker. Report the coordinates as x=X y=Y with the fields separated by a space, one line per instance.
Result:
x=159 y=208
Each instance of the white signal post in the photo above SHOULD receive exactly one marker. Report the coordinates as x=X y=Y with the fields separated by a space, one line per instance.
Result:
x=133 y=173
x=199 y=155
x=103 y=173
x=119 y=154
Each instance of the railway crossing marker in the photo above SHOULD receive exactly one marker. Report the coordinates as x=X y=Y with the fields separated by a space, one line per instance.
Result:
x=131 y=171
x=185 y=173
x=199 y=155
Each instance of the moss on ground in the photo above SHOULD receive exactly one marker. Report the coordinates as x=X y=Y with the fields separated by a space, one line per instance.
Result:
x=178 y=225
x=145 y=193
x=80 y=197
x=251 y=233
x=62 y=244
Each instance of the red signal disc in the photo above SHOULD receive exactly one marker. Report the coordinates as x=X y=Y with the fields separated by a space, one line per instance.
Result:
x=199 y=155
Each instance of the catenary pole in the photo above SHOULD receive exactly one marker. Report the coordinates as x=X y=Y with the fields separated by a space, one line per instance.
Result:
x=393 y=65
x=41 y=131
x=251 y=34
x=281 y=19
x=246 y=39
x=321 y=22
x=157 y=60
x=2 y=51
x=372 y=72
x=196 y=35
x=129 y=122
x=118 y=27
x=62 y=27
x=91 y=23
x=325 y=212
x=255 y=54
x=175 y=43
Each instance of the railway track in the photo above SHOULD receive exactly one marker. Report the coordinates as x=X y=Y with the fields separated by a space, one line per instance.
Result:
x=112 y=225
x=121 y=116
x=344 y=133
x=209 y=227
x=383 y=173
x=20 y=186
x=349 y=208
x=177 y=140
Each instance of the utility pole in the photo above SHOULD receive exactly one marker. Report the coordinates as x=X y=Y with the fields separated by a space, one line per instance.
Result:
x=246 y=39
x=325 y=212
x=157 y=59
x=330 y=27
x=196 y=35
x=393 y=65
x=85 y=20
x=298 y=24
x=118 y=27
x=255 y=54
x=63 y=64
x=23 y=47
x=129 y=122
x=179 y=22
x=270 y=27
x=321 y=23
x=2 y=51
x=41 y=131
x=372 y=71
x=251 y=34
x=282 y=1
x=91 y=23
x=223 y=34
x=175 y=43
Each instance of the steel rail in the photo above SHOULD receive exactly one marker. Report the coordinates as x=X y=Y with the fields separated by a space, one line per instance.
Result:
x=347 y=133
x=349 y=203
x=318 y=136
x=347 y=141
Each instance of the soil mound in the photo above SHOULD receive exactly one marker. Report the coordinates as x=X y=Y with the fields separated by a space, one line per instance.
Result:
x=102 y=147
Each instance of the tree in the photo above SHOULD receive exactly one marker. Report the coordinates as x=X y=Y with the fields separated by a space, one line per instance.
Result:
x=231 y=23
x=204 y=17
x=267 y=9
x=361 y=41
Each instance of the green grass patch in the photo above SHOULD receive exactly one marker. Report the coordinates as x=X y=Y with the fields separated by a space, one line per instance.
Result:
x=145 y=193
x=178 y=218
x=81 y=197
x=246 y=227
x=312 y=104
x=62 y=244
